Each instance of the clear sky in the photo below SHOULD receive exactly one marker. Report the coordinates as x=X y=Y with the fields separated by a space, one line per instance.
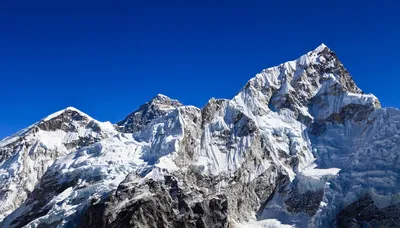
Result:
x=108 y=57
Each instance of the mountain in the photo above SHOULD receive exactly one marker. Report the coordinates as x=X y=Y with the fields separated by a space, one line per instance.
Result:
x=158 y=106
x=25 y=156
x=299 y=146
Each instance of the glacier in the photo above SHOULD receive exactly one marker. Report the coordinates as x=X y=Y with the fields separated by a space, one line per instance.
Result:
x=299 y=146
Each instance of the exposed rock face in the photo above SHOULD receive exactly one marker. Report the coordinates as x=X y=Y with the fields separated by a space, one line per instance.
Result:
x=364 y=213
x=297 y=147
x=307 y=202
x=165 y=204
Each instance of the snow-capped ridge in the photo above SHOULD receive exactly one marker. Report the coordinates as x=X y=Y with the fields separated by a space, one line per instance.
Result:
x=296 y=84
x=320 y=48
x=67 y=109
x=158 y=106
x=164 y=100
x=28 y=130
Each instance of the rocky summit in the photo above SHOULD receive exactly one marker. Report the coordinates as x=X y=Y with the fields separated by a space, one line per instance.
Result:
x=299 y=146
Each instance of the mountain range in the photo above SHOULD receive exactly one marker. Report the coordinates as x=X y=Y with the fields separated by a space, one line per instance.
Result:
x=299 y=146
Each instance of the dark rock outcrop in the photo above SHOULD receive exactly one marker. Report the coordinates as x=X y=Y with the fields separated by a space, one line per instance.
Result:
x=364 y=213
x=166 y=205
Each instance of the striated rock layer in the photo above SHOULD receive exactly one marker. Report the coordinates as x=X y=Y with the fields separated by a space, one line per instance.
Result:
x=299 y=146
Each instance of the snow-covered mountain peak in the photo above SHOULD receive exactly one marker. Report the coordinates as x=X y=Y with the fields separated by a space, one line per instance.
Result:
x=71 y=121
x=320 y=48
x=158 y=106
x=163 y=102
x=67 y=110
x=64 y=119
x=68 y=120
x=26 y=155
x=295 y=84
x=163 y=99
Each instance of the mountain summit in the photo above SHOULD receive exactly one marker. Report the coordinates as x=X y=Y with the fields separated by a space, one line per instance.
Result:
x=299 y=146
x=25 y=156
x=156 y=107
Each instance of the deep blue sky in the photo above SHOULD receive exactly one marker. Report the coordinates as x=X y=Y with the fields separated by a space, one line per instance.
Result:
x=107 y=58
